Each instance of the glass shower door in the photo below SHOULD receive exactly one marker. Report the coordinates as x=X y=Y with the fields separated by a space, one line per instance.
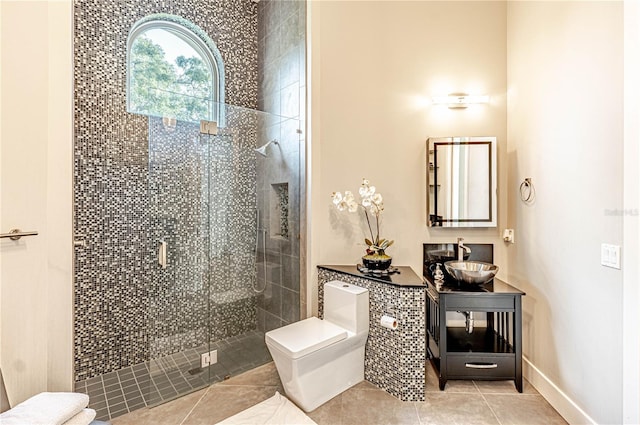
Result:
x=179 y=301
x=225 y=222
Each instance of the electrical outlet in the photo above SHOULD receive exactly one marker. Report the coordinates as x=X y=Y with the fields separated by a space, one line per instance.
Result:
x=508 y=236
x=207 y=359
x=610 y=255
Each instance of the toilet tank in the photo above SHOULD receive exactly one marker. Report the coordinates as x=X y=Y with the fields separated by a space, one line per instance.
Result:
x=347 y=306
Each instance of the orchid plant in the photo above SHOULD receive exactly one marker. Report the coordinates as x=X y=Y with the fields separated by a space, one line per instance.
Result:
x=370 y=203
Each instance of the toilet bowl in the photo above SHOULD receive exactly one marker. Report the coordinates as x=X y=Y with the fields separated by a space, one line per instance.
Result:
x=318 y=359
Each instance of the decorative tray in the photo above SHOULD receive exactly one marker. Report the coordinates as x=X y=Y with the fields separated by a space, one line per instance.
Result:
x=391 y=270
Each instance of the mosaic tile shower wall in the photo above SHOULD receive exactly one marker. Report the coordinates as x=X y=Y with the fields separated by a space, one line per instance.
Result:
x=405 y=380
x=281 y=91
x=115 y=289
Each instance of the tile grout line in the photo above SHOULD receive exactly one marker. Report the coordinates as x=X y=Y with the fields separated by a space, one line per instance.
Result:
x=146 y=396
x=135 y=378
x=222 y=384
x=174 y=367
x=182 y=371
x=195 y=405
x=106 y=399
x=153 y=381
x=487 y=403
x=415 y=407
x=124 y=397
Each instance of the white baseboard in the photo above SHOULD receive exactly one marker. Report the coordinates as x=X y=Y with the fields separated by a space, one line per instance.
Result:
x=569 y=410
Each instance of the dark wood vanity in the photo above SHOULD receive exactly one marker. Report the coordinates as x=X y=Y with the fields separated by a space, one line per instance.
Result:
x=493 y=348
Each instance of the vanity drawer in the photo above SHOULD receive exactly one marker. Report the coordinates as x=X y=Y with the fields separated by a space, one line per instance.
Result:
x=475 y=366
x=481 y=303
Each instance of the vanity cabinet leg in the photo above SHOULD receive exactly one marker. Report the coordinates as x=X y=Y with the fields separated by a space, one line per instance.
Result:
x=517 y=341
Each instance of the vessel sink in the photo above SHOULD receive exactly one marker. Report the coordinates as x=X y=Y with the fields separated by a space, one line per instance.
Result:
x=472 y=272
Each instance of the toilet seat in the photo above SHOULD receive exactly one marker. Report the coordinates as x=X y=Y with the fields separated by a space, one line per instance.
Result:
x=306 y=336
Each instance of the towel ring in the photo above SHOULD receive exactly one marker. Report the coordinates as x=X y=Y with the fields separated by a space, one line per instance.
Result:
x=527 y=191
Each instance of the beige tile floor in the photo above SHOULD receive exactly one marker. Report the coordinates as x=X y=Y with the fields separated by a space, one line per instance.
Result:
x=462 y=402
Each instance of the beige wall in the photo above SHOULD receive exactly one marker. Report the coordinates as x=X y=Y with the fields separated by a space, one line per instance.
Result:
x=374 y=67
x=631 y=243
x=36 y=332
x=565 y=131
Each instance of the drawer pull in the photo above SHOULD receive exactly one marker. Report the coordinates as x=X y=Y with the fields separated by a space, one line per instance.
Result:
x=481 y=365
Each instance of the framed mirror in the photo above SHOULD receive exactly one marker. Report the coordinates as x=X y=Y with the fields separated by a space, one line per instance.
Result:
x=462 y=182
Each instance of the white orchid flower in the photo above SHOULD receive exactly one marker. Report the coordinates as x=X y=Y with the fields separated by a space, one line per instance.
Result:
x=371 y=202
x=340 y=201
x=365 y=190
x=348 y=196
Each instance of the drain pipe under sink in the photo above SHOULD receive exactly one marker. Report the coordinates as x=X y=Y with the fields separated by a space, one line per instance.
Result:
x=468 y=315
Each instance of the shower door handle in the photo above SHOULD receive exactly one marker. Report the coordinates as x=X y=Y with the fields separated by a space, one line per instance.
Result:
x=162 y=254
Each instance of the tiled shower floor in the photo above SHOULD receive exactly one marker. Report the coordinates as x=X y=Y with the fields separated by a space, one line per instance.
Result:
x=160 y=380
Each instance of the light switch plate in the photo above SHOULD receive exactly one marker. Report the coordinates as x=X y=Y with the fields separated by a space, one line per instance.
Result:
x=610 y=255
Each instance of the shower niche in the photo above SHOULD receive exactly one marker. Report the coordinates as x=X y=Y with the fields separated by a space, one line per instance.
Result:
x=279 y=223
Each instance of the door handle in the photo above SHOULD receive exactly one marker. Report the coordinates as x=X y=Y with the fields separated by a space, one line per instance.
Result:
x=162 y=254
x=16 y=234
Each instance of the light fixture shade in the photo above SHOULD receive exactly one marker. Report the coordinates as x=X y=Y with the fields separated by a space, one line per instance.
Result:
x=459 y=100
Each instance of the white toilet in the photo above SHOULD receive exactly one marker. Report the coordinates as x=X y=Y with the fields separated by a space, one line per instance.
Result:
x=318 y=359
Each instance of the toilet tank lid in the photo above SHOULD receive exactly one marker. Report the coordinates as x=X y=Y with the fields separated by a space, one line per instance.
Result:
x=304 y=337
x=349 y=287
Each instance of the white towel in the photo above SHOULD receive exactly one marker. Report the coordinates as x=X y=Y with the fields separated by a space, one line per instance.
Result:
x=46 y=409
x=277 y=410
x=83 y=418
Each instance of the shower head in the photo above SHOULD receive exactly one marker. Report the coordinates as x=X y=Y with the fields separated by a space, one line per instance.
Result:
x=262 y=150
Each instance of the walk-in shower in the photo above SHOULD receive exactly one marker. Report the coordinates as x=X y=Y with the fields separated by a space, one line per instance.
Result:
x=223 y=219
x=223 y=227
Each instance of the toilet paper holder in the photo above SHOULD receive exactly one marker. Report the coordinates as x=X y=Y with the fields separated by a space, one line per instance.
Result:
x=388 y=318
x=389 y=322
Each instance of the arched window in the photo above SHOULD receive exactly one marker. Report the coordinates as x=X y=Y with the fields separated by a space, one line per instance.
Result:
x=173 y=70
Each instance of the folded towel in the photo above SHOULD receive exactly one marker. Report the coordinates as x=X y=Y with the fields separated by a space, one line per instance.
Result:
x=46 y=409
x=277 y=410
x=83 y=418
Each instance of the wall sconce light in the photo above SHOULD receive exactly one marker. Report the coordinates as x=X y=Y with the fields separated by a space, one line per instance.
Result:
x=459 y=100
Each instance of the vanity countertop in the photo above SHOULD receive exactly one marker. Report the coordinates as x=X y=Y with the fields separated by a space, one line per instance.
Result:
x=494 y=286
x=406 y=276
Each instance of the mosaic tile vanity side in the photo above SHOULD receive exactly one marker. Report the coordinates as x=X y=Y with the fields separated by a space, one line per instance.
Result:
x=394 y=360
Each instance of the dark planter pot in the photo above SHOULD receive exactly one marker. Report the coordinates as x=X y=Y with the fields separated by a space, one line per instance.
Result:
x=376 y=262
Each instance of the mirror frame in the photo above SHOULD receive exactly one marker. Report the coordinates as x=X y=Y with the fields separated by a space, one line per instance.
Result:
x=492 y=221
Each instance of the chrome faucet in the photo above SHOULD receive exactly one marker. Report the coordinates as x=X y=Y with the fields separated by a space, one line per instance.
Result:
x=462 y=249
